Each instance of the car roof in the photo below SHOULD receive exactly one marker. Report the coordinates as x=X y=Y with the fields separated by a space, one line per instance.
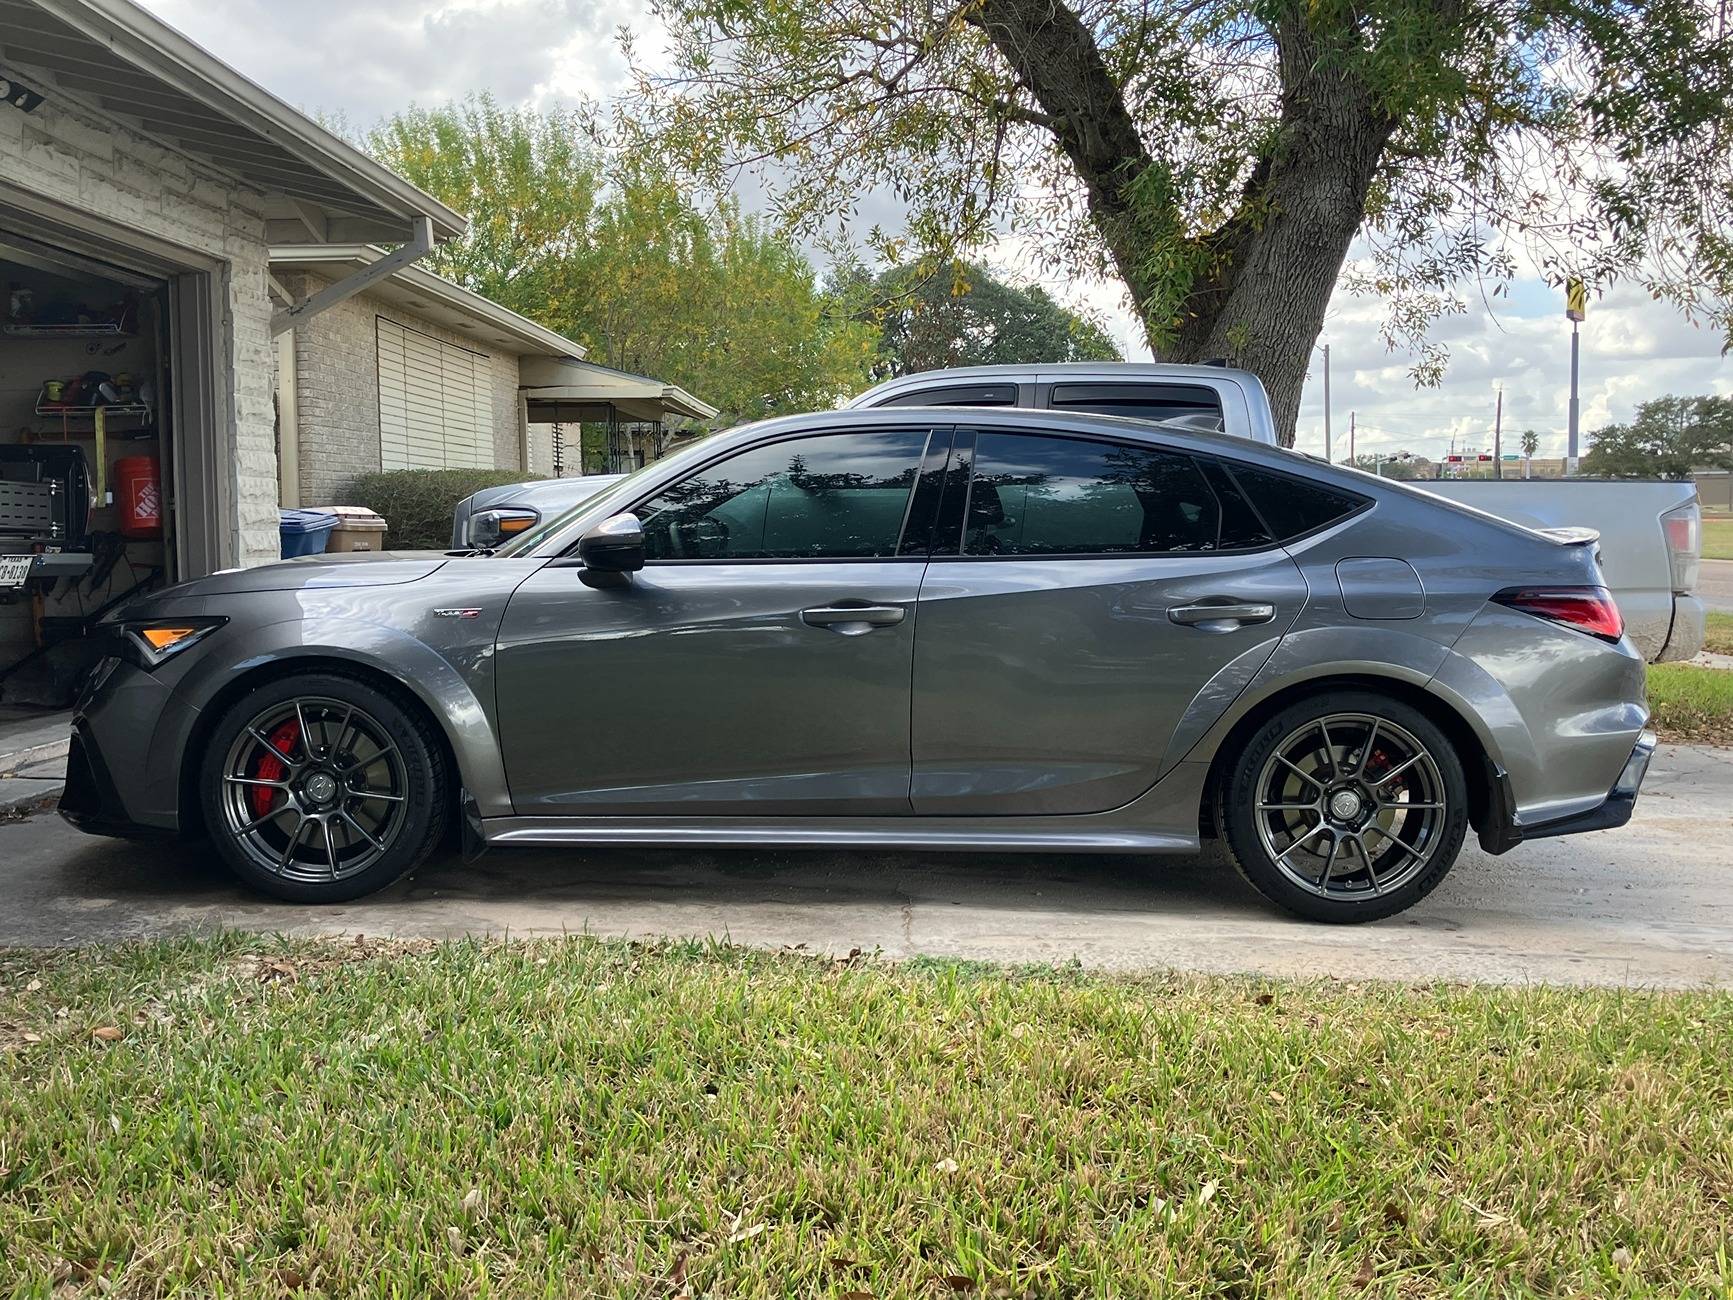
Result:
x=1056 y=372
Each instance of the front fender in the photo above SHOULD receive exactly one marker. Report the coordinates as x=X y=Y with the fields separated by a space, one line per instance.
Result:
x=456 y=686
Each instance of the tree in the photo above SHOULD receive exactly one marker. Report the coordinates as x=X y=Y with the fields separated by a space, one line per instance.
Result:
x=1220 y=157
x=611 y=251
x=1670 y=437
x=1530 y=443
x=964 y=315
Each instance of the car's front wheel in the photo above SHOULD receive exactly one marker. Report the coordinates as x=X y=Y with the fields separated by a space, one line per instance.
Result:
x=319 y=788
x=1345 y=807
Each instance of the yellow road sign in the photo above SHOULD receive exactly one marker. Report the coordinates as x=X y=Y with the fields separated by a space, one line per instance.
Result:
x=1576 y=299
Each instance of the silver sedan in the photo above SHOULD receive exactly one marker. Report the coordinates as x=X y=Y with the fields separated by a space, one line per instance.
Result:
x=912 y=628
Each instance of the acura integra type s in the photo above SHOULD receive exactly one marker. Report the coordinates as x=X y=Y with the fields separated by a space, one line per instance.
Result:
x=905 y=628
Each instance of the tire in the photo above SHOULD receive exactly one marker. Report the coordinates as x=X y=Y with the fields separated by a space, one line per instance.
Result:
x=357 y=778
x=1345 y=807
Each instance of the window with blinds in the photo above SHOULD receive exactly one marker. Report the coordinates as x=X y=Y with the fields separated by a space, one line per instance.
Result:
x=435 y=408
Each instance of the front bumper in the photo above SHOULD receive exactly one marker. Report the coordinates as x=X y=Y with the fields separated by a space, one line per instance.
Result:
x=1501 y=834
x=123 y=762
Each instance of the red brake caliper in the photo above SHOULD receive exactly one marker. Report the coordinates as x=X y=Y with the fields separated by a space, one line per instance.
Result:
x=271 y=768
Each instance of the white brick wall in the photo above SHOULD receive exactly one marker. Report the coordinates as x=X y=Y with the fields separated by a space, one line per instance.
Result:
x=103 y=170
x=337 y=391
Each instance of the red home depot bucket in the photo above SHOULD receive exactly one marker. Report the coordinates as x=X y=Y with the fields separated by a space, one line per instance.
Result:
x=138 y=496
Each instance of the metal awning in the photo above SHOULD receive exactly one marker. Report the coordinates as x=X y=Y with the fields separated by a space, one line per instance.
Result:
x=560 y=389
x=113 y=58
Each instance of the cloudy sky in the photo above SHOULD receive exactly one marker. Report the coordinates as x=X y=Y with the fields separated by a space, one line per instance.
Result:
x=365 y=58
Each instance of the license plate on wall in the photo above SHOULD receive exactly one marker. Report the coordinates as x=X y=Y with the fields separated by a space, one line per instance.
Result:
x=14 y=569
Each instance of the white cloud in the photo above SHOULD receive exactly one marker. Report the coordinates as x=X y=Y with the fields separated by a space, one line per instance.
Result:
x=366 y=58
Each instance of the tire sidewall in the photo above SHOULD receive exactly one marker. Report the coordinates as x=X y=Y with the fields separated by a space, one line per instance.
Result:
x=424 y=771
x=1240 y=795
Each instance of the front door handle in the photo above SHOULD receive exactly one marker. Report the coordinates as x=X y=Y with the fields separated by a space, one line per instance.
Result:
x=1223 y=615
x=852 y=620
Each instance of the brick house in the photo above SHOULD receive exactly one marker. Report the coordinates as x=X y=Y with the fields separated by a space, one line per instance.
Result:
x=142 y=185
x=419 y=373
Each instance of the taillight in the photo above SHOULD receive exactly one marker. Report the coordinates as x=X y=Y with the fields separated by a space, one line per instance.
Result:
x=1683 y=530
x=1587 y=609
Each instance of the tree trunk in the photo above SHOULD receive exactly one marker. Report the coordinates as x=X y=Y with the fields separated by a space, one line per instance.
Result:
x=1273 y=264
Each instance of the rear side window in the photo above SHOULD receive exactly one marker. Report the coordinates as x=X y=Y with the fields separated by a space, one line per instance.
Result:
x=958 y=395
x=1036 y=495
x=1292 y=506
x=1199 y=407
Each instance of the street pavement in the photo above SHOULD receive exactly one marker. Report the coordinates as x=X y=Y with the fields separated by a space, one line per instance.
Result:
x=1715 y=584
x=1647 y=905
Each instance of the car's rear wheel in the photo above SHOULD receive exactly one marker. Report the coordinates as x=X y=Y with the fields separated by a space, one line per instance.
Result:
x=319 y=788
x=1345 y=807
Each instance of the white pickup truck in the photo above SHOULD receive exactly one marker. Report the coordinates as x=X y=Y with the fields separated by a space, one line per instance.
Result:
x=1650 y=529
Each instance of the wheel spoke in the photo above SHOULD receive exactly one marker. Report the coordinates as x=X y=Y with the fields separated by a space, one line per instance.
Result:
x=330 y=846
x=384 y=750
x=1288 y=807
x=1282 y=856
x=343 y=733
x=256 y=780
x=1366 y=753
x=1371 y=871
x=1398 y=770
x=1299 y=772
x=1329 y=748
x=288 y=855
x=1329 y=864
x=272 y=750
x=1408 y=849
x=362 y=830
x=368 y=795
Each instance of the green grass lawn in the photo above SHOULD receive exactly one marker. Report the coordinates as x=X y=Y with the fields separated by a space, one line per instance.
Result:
x=257 y=1118
x=1692 y=703
x=1720 y=638
x=1718 y=538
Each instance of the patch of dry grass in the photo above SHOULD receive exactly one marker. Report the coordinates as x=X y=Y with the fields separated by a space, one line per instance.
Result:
x=594 y=1118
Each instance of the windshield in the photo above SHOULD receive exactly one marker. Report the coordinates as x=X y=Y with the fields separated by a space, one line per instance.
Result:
x=624 y=490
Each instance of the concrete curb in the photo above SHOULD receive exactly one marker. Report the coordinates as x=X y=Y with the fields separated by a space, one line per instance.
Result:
x=20 y=794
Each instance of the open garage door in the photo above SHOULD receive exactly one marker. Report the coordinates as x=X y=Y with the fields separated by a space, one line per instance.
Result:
x=115 y=469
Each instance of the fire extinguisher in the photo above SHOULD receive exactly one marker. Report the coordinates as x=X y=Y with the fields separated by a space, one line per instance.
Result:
x=138 y=496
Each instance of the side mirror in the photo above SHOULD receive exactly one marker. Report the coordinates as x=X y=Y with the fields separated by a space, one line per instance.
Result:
x=616 y=545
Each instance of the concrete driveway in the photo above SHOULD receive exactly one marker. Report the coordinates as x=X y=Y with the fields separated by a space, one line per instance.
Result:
x=1651 y=904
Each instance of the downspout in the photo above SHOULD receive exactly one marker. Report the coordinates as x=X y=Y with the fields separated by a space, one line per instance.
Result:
x=419 y=245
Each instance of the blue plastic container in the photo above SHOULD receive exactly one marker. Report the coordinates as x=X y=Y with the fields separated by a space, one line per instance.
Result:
x=304 y=532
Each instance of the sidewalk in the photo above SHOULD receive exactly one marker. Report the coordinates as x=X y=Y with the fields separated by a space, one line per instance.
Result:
x=32 y=756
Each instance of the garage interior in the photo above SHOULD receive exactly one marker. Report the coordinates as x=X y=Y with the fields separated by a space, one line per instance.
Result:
x=85 y=446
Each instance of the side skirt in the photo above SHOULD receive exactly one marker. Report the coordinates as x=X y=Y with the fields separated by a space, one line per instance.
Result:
x=834 y=833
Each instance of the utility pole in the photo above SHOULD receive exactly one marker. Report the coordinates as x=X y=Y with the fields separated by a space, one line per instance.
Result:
x=1327 y=455
x=1498 y=437
x=1576 y=308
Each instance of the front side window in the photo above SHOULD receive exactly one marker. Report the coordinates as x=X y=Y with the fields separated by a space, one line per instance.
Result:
x=839 y=496
x=1035 y=495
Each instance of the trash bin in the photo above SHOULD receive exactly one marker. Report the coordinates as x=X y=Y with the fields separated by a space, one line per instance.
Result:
x=304 y=532
x=358 y=528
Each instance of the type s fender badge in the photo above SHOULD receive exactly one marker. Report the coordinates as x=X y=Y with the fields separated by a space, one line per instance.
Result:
x=457 y=613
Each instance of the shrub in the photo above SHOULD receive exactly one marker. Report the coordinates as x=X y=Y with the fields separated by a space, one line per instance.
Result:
x=416 y=504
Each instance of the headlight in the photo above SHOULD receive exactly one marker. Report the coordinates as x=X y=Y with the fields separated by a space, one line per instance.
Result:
x=154 y=640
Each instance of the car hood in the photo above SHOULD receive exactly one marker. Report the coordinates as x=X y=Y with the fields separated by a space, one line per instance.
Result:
x=350 y=569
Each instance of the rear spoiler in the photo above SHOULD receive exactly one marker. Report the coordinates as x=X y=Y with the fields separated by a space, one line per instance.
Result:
x=1571 y=536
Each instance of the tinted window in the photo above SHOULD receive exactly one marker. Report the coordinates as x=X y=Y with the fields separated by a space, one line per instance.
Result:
x=1034 y=495
x=1292 y=506
x=1199 y=407
x=958 y=395
x=837 y=497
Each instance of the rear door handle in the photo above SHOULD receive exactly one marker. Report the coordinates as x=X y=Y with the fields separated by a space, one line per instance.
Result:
x=1203 y=615
x=852 y=620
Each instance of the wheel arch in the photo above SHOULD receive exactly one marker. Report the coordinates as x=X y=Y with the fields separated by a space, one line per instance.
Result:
x=1477 y=762
x=213 y=710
